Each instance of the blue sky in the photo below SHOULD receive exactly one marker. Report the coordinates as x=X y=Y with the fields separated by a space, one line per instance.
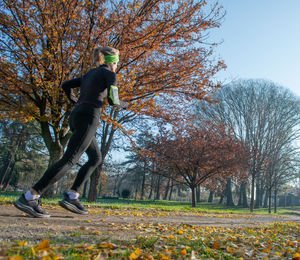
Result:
x=261 y=40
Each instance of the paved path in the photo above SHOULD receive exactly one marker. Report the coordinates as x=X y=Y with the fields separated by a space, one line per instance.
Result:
x=112 y=224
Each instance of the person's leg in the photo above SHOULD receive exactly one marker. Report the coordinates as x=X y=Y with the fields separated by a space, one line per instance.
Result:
x=83 y=123
x=78 y=143
x=94 y=159
x=71 y=201
x=30 y=203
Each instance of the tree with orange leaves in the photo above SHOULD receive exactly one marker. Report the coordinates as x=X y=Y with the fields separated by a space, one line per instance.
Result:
x=45 y=42
x=195 y=155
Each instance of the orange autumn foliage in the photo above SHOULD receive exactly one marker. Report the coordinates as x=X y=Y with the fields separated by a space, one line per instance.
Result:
x=43 y=43
x=46 y=42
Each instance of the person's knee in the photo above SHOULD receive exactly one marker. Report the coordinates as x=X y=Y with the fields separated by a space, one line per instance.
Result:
x=96 y=160
x=70 y=160
x=99 y=160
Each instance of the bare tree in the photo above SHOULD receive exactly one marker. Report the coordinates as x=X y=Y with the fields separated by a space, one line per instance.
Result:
x=262 y=114
x=281 y=169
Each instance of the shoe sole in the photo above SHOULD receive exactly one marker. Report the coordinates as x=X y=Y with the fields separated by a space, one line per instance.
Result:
x=68 y=206
x=28 y=210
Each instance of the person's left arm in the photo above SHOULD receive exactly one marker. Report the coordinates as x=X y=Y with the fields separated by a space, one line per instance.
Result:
x=113 y=93
x=68 y=88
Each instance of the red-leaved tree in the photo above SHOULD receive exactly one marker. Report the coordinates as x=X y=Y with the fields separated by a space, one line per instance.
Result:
x=193 y=155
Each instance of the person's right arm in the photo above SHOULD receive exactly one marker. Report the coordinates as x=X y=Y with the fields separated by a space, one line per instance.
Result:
x=68 y=88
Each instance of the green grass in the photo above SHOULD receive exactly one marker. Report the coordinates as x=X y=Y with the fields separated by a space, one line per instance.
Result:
x=204 y=207
x=9 y=197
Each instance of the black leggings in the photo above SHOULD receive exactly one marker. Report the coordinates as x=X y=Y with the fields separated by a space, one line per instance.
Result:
x=83 y=120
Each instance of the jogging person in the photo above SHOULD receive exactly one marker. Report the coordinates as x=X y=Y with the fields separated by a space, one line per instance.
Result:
x=95 y=86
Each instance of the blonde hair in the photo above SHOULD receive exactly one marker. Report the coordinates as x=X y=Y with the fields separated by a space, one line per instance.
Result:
x=99 y=53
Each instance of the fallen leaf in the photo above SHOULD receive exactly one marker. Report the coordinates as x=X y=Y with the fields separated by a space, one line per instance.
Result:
x=45 y=244
x=216 y=245
x=111 y=245
x=137 y=252
x=296 y=256
x=23 y=243
x=183 y=252
x=133 y=256
x=180 y=232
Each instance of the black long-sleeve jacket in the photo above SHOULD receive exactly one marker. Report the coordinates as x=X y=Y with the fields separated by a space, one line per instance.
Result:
x=94 y=86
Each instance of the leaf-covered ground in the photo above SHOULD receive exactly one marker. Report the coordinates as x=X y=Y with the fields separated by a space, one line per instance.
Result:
x=147 y=234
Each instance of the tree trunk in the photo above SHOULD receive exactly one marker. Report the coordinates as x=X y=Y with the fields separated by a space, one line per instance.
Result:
x=193 y=196
x=221 y=199
x=167 y=190
x=92 y=197
x=178 y=191
x=171 y=191
x=198 y=194
x=5 y=168
x=211 y=196
x=261 y=194
x=240 y=201
x=243 y=201
x=244 y=195
x=100 y=189
x=275 y=199
x=252 y=193
x=136 y=181
x=115 y=191
x=143 y=185
x=257 y=194
x=229 y=199
x=10 y=175
x=270 y=200
x=266 y=199
x=157 y=196
x=85 y=189
x=151 y=187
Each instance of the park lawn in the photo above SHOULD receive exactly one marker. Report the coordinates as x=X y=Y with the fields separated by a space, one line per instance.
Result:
x=163 y=205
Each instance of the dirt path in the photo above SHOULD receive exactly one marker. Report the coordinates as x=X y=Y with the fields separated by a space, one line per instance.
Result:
x=113 y=224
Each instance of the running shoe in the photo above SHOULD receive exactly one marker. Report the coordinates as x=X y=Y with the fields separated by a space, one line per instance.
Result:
x=72 y=205
x=31 y=207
